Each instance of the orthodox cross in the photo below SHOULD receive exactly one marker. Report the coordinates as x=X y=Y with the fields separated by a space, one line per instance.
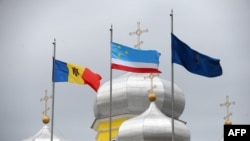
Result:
x=227 y=104
x=45 y=99
x=138 y=32
x=151 y=77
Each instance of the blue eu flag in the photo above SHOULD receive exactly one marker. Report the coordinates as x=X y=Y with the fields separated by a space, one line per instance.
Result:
x=194 y=61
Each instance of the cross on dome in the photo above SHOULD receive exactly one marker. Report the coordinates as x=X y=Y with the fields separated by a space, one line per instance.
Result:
x=45 y=99
x=227 y=104
x=151 y=77
x=138 y=32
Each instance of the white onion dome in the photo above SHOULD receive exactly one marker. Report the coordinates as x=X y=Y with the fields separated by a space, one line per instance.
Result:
x=44 y=135
x=152 y=125
x=129 y=96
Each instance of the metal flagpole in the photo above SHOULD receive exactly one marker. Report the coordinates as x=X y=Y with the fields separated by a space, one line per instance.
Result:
x=53 y=91
x=172 y=80
x=111 y=73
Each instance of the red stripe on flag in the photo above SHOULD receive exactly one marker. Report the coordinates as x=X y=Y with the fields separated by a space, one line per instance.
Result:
x=137 y=70
x=92 y=79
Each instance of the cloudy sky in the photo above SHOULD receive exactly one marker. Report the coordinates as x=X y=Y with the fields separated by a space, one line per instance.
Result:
x=218 y=28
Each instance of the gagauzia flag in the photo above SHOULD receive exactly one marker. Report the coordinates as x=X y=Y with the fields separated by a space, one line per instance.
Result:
x=67 y=72
x=134 y=60
x=194 y=61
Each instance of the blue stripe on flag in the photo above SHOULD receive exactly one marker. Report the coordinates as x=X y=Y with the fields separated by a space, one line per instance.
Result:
x=134 y=55
x=61 y=71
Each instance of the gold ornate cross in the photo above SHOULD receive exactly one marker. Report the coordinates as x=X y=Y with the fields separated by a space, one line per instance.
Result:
x=227 y=104
x=138 y=32
x=45 y=99
x=151 y=77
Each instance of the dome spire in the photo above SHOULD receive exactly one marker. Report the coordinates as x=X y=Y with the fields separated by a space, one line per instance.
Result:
x=46 y=118
x=227 y=104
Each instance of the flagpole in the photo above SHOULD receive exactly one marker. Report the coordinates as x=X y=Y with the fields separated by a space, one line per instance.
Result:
x=111 y=73
x=172 y=79
x=53 y=90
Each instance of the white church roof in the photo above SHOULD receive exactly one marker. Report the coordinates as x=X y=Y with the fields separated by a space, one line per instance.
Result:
x=152 y=125
x=44 y=135
x=129 y=96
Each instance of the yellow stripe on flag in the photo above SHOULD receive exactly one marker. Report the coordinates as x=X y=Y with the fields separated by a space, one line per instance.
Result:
x=75 y=73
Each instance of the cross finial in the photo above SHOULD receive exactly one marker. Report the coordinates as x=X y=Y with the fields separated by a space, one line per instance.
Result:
x=45 y=99
x=151 y=77
x=227 y=104
x=138 y=32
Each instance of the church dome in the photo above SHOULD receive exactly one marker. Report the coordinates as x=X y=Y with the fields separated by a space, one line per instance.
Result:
x=152 y=125
x=129 y=96
x=44 y=135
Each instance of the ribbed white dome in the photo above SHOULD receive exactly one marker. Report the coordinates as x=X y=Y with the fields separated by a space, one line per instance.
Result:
x=129 y=96
x=152 y=125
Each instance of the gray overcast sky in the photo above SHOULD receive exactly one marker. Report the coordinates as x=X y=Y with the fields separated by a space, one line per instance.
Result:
x=218 y=28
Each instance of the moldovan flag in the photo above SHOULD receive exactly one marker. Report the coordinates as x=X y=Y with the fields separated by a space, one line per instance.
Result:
x=67 y=72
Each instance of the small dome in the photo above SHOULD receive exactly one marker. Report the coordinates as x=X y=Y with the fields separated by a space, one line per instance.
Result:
x=44 y=135
x=129 y=96
x=152 y=125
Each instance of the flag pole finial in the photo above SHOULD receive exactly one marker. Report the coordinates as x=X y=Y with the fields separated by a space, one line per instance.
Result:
x=171 y=14
x=111 y=28
x=54 y=41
